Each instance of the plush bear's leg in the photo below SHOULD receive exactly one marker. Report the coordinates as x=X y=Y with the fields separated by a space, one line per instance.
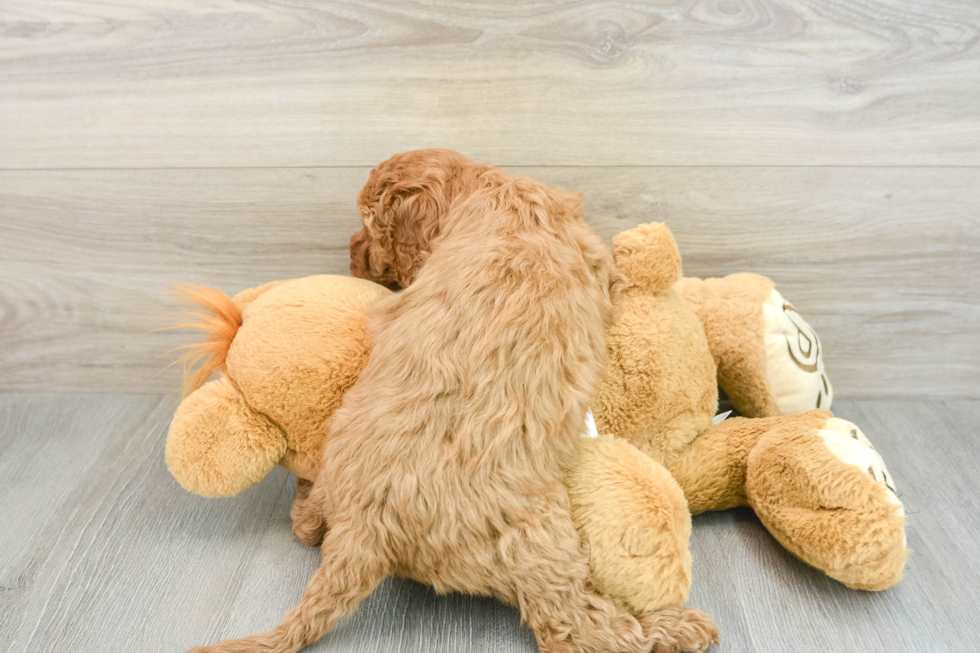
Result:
x=825 y=494
x=769 y=360
x=814 y=481
x=633 y=515
x=711 y=469
x=548 y=577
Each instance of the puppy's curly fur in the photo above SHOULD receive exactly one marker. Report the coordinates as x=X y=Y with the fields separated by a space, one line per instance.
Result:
x=401 y=207
x=445 y=463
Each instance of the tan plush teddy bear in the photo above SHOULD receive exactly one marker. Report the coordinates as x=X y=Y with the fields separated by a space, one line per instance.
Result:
x=287 y=352
x=814 y=480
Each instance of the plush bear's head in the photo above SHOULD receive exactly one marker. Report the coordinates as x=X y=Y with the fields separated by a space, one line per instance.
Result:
x=660 y=384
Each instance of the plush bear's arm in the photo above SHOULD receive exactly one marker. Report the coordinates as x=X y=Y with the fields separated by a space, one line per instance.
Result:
x=218 y=446
x=730 y=309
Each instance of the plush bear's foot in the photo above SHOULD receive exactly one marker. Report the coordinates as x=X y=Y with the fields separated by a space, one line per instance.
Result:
x=794 y=359
x=826 y=495
x=770 y=361
x=846 y=441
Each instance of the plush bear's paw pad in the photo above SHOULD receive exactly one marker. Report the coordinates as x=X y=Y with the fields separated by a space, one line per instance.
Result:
x=794 y=359
x=846 y=441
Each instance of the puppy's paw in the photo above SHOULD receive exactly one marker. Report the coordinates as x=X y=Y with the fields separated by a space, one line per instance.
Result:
x=308 y=522
x=680 y=629
x=794 y=360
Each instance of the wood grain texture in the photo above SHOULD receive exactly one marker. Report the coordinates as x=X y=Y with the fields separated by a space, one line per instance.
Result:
x=665 y=82
x=881 y=261
x=102 y=551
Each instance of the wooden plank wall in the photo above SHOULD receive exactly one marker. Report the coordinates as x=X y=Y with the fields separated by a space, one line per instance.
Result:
x=834 y=146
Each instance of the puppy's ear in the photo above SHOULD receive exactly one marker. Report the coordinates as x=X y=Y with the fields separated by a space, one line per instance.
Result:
x=399 y=226
x=401 y=207
x=360 y=266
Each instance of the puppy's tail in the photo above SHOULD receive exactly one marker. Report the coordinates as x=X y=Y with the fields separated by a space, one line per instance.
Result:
x=215 y=313
x=350 y=571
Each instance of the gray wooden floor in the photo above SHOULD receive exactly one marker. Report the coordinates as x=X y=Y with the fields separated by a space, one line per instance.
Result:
x=101 y=550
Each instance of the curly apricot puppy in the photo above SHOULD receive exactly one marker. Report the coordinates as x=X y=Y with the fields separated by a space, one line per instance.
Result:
x=445 y=462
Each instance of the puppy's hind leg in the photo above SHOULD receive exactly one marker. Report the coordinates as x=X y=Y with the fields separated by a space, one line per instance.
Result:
x=352 y=567
x=309 y=524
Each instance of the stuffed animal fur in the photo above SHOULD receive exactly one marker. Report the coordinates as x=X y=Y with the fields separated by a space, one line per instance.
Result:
x=288 y=351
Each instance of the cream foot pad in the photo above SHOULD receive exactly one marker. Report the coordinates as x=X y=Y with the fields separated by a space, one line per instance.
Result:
x=794 y=361
x=849 y=444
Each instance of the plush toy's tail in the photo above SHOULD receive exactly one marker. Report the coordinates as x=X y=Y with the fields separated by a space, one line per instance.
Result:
x=215 y=313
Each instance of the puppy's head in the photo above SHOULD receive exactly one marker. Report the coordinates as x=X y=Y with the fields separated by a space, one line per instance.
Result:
x=546 y=236
x=401 y=207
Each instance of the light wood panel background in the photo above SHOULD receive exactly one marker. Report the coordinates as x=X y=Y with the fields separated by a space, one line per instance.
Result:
x=884 y=262
x=667 y=82
x=834 y=146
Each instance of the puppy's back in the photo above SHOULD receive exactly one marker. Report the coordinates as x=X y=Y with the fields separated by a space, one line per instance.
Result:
x=481 y=370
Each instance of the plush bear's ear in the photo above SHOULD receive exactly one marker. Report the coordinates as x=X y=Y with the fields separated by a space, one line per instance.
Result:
x=217 y=445
x=648 y=256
